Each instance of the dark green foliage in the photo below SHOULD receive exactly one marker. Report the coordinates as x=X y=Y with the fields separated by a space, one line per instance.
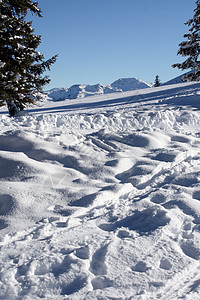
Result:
x=21 y=65
x=157 y=81
x=191 y=48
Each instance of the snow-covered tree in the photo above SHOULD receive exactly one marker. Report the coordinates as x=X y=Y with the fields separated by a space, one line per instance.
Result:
x=157 y=81
x=21 y=65
x=191 y=47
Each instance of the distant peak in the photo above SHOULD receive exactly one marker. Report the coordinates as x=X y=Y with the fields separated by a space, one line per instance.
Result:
x=129 y=84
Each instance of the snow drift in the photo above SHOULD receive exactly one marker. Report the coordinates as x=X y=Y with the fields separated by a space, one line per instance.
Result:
x=100 y=197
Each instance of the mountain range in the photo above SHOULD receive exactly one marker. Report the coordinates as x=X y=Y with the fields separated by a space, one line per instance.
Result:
x=83 y=90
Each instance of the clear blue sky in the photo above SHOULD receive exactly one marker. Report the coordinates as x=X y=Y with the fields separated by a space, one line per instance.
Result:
x=101 y=41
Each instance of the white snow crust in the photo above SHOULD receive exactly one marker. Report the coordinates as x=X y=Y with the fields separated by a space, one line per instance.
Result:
x=100 y=197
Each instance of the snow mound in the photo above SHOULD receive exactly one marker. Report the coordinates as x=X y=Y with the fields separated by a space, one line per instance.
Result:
x=129 y=84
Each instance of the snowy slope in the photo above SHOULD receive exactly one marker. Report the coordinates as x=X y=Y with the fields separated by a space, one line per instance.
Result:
x=83 y=90
x=175 y=80
x=100 y=197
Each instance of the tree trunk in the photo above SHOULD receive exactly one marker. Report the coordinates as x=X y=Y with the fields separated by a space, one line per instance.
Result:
x=12 y=107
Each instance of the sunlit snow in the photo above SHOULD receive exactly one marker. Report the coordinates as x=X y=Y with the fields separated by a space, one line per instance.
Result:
x=100 y=197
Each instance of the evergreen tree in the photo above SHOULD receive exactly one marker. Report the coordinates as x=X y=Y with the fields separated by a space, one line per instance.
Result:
x=21 y=65
x=157 y=81
x=191 y=47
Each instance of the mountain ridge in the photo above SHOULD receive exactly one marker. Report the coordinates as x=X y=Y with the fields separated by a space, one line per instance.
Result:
x=86 y=90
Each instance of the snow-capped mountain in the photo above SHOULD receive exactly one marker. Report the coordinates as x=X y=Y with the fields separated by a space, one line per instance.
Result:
x=130 y=84
x=83 y=90
x=58 y=94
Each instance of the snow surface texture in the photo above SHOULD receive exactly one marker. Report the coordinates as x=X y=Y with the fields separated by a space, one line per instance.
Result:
x=82 y=90
x=100 y=197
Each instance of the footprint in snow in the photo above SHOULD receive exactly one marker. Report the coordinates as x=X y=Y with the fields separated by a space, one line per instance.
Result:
x=64 y=212
x=141 y=266
x=165 y=156
x=63 y=266
x=76 y=285
x=123 y=234
x=165 y=264
x=83 y=252
x=187 y=231
x=158 y=198
x=97 y=265
x=144 y=222
x=101 y=282
x=188 y=179
x=22 y=271
x=196 y=195
x=62 y=224
x=60 y=210
x=190 y=249
x=180 y=139
x=112 y=163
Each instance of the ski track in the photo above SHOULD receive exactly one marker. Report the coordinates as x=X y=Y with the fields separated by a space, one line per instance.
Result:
x=102 y=202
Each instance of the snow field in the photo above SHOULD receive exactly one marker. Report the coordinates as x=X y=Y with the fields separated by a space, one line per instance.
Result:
x=101 y=200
